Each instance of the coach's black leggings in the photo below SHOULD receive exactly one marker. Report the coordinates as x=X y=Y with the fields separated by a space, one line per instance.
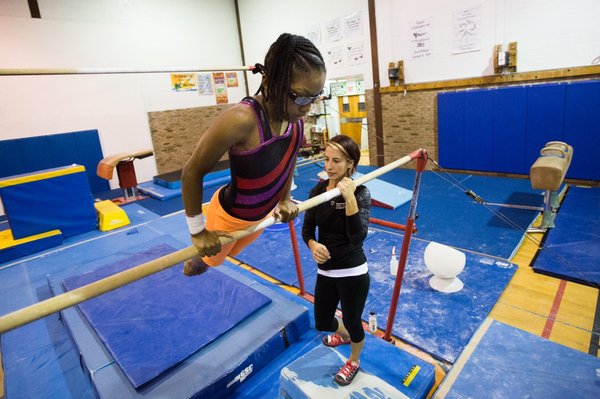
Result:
x=351 y=293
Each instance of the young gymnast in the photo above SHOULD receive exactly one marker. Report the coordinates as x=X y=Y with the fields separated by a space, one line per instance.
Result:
x=343 y=274
x=262 y=135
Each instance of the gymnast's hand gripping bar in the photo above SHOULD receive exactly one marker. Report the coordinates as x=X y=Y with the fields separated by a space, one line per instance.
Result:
x=55 y=304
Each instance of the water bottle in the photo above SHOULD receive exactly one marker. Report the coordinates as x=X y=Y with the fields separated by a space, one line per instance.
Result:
x=393 y=263
x=372 y=321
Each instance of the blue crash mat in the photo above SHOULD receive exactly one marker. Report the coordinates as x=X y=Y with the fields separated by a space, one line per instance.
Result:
x=153 y=324
x=572 y=248
x=386 y=195
x=438 y=323
x=505 y=362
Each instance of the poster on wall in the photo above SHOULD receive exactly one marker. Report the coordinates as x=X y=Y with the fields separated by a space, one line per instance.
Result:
x=313 y=33
x=183 y=82
x=420 y=38
x=220 y=88
x=353 y=25
x=334 y=57
x=467 y=30
x=205 y=86
x=333 y=30
x=355 y=53
x=232 y=79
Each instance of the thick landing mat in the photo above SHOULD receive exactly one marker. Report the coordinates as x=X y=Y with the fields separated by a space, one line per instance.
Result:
x=215 y=370
x=504 y=362
x=572 y=248
x=151 y=325
x=384 y=372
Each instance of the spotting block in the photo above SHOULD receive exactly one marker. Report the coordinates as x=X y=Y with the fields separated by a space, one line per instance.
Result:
x=385 y=372
x=11 y=248
x=110 y=215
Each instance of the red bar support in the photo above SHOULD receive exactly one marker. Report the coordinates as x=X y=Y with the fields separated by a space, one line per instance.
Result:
x=297 y=257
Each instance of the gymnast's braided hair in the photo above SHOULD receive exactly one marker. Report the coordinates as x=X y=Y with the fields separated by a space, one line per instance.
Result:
x=288 y=55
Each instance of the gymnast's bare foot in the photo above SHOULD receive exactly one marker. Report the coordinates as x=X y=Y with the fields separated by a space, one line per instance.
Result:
x=194 y=267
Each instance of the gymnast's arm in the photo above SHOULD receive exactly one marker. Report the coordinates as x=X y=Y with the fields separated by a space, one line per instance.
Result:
x=232 y=127
x=286 y=209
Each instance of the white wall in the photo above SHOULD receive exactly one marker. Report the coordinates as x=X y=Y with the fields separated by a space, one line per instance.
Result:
x=160 y=34
x=145 y=34
x=262 y=21
x=551 y=34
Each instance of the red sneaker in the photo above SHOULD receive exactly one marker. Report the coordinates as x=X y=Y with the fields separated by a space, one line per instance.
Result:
x=347 y=373
x=334 y=340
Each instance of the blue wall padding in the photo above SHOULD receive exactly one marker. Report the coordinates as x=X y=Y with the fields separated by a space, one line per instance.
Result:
x=545 y=118
x=479 y=117
x=382 y=370
x=145 y=325
x=511 y=363
x=582 y=129
x=451 y=138
x=63 y=202
x=31 y=154
x=29 y=247
x=503 y=130
x=510 y=105
x=572 y=248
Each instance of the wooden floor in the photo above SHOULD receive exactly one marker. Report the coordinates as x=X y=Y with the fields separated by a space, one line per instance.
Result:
x=561 y=311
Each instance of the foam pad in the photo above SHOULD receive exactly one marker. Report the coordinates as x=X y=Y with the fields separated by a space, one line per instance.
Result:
x=218 y=368
x=160 y=192
x=386 y=195
x=385 y=372
x=12 y=249
x=151 y=325
x=505 y=362
x=58 y=198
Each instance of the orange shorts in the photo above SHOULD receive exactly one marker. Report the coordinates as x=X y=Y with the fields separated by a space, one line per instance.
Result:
x=218 y=219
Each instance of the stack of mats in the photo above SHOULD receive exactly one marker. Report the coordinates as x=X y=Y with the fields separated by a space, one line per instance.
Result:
x=172 y=336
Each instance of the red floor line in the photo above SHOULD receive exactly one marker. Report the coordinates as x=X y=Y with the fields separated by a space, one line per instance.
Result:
x=554 y=309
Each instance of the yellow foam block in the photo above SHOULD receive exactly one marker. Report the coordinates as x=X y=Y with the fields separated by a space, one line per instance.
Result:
x=110 y=216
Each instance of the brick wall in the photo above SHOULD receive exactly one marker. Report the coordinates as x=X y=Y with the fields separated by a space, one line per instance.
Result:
x=409 y=123
x=176 y=132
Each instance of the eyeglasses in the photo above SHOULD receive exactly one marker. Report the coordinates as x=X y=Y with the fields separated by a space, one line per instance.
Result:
x=303 y=100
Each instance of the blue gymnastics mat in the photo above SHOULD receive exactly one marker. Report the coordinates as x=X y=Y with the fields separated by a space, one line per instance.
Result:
x=504 y=362
x=572 y=248
x=440 y=324
x=151 y=325
x=221 y=365
x=447 y=215
x=382 y=371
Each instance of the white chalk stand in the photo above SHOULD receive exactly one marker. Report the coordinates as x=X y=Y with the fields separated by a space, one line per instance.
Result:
x=445 y=263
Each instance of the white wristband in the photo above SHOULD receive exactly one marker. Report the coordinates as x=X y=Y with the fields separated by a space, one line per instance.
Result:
x=196 y=223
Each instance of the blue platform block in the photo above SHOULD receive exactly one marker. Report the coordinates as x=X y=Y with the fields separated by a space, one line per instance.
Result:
x=386 y=195
x=383 y=371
